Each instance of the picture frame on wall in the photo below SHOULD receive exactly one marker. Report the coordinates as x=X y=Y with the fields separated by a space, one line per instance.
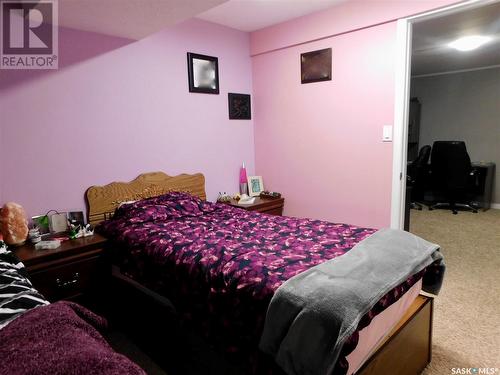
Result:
x=255 y=185
x=316 y=66
x=239 y=106
x=203 y=73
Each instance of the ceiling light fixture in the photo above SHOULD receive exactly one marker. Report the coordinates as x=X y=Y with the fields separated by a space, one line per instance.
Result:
x=468 y=43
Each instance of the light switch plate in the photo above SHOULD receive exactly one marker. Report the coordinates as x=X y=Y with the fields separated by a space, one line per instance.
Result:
x=387 y=133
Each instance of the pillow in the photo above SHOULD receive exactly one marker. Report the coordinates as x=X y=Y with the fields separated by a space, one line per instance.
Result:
x=125 y=203
x=164 y=207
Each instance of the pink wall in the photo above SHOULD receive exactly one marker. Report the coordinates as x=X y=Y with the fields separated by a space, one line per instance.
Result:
x=347 y=16
x=119 y=111
x=321 y=143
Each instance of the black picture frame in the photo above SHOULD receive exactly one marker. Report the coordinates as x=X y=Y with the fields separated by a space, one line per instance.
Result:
x=208 y=68
x=240 y=107
x=76 y=218
x=316 y=66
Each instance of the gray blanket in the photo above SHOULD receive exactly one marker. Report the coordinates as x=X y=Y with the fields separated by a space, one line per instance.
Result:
x=312 y=314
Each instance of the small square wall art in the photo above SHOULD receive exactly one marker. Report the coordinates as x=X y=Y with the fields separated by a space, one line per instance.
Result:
x=203 y=73
x=239 y=106
x=316 y=66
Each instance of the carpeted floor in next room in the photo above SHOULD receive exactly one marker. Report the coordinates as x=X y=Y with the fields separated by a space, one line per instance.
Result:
x=467 y=311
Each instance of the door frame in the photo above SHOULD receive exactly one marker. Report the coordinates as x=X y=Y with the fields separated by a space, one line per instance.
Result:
x=402 y=101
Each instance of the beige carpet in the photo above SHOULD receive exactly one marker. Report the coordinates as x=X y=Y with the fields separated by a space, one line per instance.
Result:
x=467 y=311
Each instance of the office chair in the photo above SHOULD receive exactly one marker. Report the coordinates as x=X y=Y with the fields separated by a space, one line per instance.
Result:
x=417 y=171
x=451 y=173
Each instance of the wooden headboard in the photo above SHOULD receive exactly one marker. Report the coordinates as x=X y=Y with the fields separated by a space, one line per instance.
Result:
x=103 y=200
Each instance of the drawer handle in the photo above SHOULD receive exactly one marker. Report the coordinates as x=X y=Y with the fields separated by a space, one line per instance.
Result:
x=68 y=283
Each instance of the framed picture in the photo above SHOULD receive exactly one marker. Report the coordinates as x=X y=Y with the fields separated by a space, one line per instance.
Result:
x=76 y=218
x=203 y=73
x=41 y=222
x=316 y=66
x=58 y=222
x=239 y=106
x=255 y=185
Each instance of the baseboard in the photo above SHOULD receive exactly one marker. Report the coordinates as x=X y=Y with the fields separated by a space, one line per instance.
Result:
x=495 y=206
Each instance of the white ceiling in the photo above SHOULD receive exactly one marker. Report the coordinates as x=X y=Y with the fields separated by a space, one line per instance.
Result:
x=251 y=15
x=430 y=38
x=133 y=19
x=136 y=19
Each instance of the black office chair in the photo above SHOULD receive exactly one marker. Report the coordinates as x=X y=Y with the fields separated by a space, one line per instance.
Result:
x=417 y=172
x=452 y=175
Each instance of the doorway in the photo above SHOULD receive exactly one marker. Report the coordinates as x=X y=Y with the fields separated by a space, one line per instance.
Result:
x=452 y=100
x=403 y=96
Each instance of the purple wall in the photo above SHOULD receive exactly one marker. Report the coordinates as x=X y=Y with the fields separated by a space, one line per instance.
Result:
x=118 y=108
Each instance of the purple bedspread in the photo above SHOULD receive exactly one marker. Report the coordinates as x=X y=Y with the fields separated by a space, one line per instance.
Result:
x=221 y=265
x=60 y=338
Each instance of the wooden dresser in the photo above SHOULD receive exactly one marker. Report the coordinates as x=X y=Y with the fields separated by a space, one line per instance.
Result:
x=73 y=271
x=265 y=206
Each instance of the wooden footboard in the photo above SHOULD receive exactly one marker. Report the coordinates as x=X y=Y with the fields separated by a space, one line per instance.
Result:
x=407 y=349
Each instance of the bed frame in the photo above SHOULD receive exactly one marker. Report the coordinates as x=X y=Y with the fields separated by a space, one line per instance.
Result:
x=102 y=201
x=406 y=350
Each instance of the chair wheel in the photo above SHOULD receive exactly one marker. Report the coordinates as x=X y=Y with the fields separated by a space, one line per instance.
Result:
x=455 y=212
x=431 y=209
x=474 y=211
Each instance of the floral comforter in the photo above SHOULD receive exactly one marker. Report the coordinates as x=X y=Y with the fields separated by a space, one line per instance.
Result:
x=221 y=265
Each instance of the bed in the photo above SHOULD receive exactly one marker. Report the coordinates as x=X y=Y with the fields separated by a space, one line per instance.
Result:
x=41 y=338
x=222 y=267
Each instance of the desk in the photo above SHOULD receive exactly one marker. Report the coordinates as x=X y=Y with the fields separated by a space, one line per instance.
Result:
x=483 y=184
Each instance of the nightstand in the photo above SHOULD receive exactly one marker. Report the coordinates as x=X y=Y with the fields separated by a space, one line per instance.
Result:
x=263 y=205
x=73 y=271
